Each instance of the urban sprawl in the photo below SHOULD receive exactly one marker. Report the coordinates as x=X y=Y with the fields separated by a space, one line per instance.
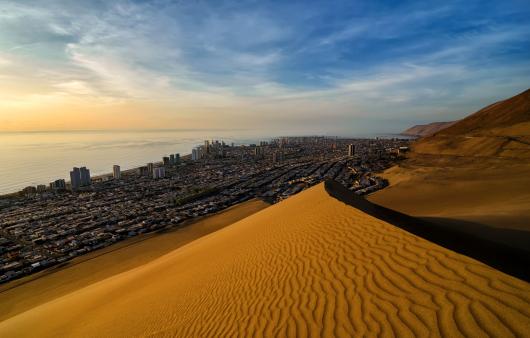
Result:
x=45 y=226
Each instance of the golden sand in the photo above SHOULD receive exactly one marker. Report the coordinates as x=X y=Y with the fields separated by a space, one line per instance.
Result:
x=24 y=294
x=490 y=191
x=310 y=265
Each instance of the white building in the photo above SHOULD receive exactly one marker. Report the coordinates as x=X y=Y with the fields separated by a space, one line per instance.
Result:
x=196 y=154
x=116 y=172
x=351 y=149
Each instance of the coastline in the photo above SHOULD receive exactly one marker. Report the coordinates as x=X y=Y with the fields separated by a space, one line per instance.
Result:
x=95 y=177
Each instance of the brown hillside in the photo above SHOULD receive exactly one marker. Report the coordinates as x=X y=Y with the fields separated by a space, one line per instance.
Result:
x=427 y=129
x=498 y=130
x=496 y=117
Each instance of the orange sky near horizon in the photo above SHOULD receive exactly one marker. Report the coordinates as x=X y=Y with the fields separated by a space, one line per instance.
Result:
x=43 y=113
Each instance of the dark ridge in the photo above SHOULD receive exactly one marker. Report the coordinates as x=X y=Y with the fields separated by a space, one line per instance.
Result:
x=506 y=250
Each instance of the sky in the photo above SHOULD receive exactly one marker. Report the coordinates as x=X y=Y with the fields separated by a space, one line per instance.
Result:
x=324 y=67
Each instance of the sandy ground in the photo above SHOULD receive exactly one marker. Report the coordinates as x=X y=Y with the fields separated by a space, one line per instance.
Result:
x=22 y=295
x=308 y=265
x=489 y=191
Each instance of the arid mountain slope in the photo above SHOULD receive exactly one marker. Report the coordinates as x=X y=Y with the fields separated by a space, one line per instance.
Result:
x=498 y=130
x=500 y=118
x=422 y=130
x=310 y=265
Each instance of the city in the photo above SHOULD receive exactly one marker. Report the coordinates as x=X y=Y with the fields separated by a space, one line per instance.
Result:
x=44 y=226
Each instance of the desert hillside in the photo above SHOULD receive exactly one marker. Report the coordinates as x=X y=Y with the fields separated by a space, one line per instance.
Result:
x=310 y=265
x=422 y=130
x=501 y=129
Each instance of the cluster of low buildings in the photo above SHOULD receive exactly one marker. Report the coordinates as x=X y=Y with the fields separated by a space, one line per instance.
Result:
x=41 y=229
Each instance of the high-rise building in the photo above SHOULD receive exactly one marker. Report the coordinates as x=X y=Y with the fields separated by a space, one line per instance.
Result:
x=41 y=188
x=351 y=149
x=259 y=152
x=159 y=172
x=75 y=178
x=116 y=172
x=177 y=158
x=196 y=154
x=165 y=159
x=59 y=184
x=84 y=174
x=172 y=159
x=206 y=146
x=143 y=171
x=150 y=167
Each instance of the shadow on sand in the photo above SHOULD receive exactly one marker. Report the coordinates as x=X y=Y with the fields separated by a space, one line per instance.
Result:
x=506 y=250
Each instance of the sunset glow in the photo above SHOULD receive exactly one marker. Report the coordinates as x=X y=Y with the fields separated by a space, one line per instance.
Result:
x=143 y=64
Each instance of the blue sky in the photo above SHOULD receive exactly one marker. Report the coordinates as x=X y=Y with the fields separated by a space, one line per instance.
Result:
x=302 y=66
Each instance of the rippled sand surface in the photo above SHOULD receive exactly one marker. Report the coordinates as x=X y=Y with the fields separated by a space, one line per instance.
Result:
x=310 y=265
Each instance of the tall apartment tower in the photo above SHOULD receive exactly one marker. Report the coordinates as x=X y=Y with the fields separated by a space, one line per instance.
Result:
x=75 y=178
x=159 y=172
x=85 y=177
x=196 y=154
x=351 y=150
x=150 y=168
x=259 y=152
x=116 y=172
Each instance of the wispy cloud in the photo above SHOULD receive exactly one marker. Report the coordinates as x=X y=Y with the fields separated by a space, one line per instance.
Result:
x=261 y=61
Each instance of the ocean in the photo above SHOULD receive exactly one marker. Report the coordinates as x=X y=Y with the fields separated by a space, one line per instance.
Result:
x=31 y=158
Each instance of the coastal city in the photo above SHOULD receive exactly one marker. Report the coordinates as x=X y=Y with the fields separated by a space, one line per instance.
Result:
x=47 y=225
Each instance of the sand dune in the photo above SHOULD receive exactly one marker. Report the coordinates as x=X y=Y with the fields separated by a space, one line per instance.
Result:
x=308 y=265
x=492 y=192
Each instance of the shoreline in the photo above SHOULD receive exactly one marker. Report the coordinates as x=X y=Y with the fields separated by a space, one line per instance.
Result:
x=95 y=177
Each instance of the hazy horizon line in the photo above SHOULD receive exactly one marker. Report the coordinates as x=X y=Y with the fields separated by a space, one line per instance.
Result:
x=115 y=130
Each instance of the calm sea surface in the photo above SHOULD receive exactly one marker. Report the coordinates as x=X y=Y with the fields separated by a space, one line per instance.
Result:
x=32 y=158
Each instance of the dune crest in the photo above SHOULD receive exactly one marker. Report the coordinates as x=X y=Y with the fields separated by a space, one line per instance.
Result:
x=308 y=265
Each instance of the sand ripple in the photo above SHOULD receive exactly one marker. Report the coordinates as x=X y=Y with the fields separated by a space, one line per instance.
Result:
x=309 y=266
